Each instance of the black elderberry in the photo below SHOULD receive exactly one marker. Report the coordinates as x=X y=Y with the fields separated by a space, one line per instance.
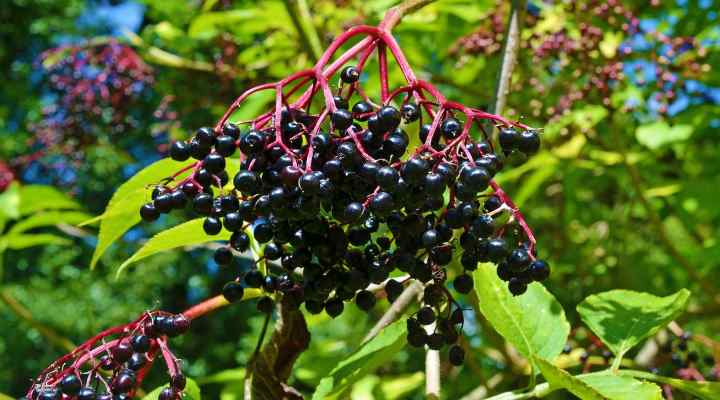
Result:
x=508 y=138
x=434 y=184
x=167 y=394
x=430 y=238
x=124 y=381
x=212 y=226
x=87 y=393
x=539 y=270
x=263 y=232
x=426 y=315
x=140 y=343
x=223 y=256
x=361 y=110
x=463 y=283
x=254 y=278
x=518 y=260
x=350 y=74
x=233 y=291
x=50 y=394
x=269 y=284
x=202 y=203
x=231 y=130
x=393 y=289
x=205 y=136
x=469 y=261
x=197 y=150
x=414 y=170
x=214 y=163
x=450 y=128
x=164 y=203
x=387 y=178
x=529 y=142
x=365 y=300
x=340 y=102
x=475 y=178
x=517 y=286
x=334 y=307
x=389 y=118
x=456 y=355
x=410 y=112
x=353 y=212
x=341 y=119
x=121 y=352
x=483 y=226
x=497 y=250
x=136 y=362
x=70 y=384
x=382 y=204
x=149 y=213
x=310 y=183
x=179 y=151
x=251 y=143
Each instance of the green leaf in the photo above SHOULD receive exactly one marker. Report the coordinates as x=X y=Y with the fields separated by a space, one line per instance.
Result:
x=559 y=379
x=191 y=392
x=10 y=202
x=186 y=234
x=367 y=358
x=49 y=218
x=598 y=385
x=23 y=241
x=209 y=24
x=622 y=318
x=3 y=396
x=619 y=387
x=534 y=322
x=659 y=133
x=121 y=212
x=225 y=376
x=40 y=197
x=703 y=390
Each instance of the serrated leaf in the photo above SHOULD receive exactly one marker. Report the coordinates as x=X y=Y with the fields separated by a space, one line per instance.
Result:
x=658 y=134
x=703 y=390
x=622 y=318
x=191 y=392
x=534 y=322
x=34 y=198
x=598 y=385
x=372 y=354
x=560 y=379
x=619 y=387
x=186 y=234
x=49 y=218
x=122 y=212
x=22 y=241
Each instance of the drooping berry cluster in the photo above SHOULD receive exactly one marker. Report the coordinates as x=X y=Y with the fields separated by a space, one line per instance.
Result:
x=112 y=365
x=336 y=197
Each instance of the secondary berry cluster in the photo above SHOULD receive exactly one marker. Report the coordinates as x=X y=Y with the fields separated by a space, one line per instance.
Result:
x=112 y=365
x=336 y=196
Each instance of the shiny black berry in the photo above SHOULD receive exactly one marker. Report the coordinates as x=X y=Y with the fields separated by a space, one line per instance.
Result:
x=233 y=291
x=179 y=151
x=350 y=74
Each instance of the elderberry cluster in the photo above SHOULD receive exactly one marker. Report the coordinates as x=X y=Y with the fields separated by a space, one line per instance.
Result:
x=336 y=201
x=105 y=369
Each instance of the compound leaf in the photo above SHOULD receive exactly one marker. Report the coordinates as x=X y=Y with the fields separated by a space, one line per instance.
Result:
x=186 y=234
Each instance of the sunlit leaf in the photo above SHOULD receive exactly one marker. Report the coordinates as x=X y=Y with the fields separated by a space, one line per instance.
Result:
x=534 y=322
x=122 y=212
x=186 y=234
x=372 y=354
x=658 y=134
x=191 y=392
x=622 y=318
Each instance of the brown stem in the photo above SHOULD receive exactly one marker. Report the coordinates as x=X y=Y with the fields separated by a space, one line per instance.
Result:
x=510 y=55
x=398 y=307
x=395 y=14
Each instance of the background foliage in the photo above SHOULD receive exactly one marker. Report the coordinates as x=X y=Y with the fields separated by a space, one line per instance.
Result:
x=623 y=194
